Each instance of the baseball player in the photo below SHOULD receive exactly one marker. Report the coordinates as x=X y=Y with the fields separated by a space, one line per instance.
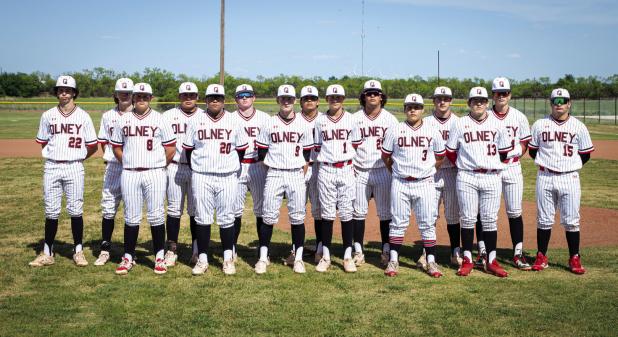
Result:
x=443 y=119
x=215 y=143
x=252 y=173
x=411 y=151
x=372 y=176
x=516 y=124
x=284 y=144
x=111 y=194
x=179 y=173
x=67 y=137
x=560 y=146
x=477 y=145
x=144 y=142
x=336 y=137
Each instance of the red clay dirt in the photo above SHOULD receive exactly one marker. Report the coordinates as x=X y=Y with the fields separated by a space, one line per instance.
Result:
x=598 y=224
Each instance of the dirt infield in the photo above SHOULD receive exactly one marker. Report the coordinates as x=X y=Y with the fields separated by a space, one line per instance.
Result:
x=598 y=224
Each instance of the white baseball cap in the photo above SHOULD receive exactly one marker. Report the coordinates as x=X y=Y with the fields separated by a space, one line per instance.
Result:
x=142 y=88
x=501 y=84
x=188 y=88
x=372 y=85
x=66 y=81
x=124 y=85
x=335 y=90
x=215 y=90
x=286 y=90
x=413 y=99
x=478 y=92
x=442 y=92
x=244 y=88
x=308 y=90
x=560 y=92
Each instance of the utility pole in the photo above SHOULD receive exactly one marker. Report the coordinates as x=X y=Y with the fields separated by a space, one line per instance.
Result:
x=438 y=67
x=363 y=39
x=222 y=46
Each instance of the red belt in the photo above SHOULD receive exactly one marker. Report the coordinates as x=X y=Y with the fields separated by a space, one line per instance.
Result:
x=175 y=162
x=339 y=164
x=545 y=169
x=249 y=161
x=511 y=160
x=141 y=169
x=484 y=171
x=414 y=179
x=63 y=161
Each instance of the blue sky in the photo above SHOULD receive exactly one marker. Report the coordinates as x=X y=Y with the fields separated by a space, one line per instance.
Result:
x=518 y=39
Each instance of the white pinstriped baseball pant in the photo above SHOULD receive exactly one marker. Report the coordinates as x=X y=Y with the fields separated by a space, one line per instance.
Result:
x=252 y=178
x=418 y=196
x=336 y=191
x=140 y=186
x=111 y=194
x=479 y=193
x=311 y=179
x=179 y=186
x=215 y=192
x=292 y=184
x=562 y=191
x=446 y=193
x=512 y=189
x=67 y=178
x=375 y=181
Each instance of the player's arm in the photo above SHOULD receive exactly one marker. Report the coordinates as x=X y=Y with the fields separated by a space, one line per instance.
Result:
x=91 y=149
x=452 y=144
x=533 y=144
x=388 y=161
x=118 y=152
x=585 y=144
x=117 y=142
x=90 y=138
x=387 y=149
x=170 y=151
x=524 y=128
x=42 y=137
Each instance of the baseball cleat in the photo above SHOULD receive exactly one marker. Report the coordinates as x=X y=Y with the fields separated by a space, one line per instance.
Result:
x=229 y=268
x=260 y=267
x=322 y=266
x=433 y=270
x=349 y=266
x=170 y=258
x=80 y=259
x=289 y=261
x=42 y=260
x=541 y=262
x=102 y=259
x=496 y=269
x=160 y=267
x=466 y=267
x=125 y=266
x=392 y=269
x=299 y=267
x=519 y=261
x=421 y=263
x=456 y=258
x=359 y=259
x=200 y=268
x=481 y=261
x=575 y=265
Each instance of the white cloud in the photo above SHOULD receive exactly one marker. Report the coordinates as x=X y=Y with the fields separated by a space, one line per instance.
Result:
x=593 y=12
x=514 y=56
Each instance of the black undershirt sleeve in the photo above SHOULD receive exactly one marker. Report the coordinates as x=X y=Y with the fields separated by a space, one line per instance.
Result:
x=262 y=154
x=307 y=155
x=532 y=152
x=585 y=157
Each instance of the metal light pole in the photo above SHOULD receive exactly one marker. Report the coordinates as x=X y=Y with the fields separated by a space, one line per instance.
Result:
x=222 y=46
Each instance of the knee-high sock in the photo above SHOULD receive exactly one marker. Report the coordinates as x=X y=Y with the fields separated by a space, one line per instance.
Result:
x=298 y=237
x=491 y=238
x=480 y=240
x=51 y=228
x=384 y=230
x=173 y=228
x=202 y=235
x=317 y=226
x=130 y=239
x=327 y=233
x=227 y=241
x=158 y=240
x=573 y=242
x=77 y=228
x=107 y=228
x=454 y=236
x=467 y=241
x=516 y=226
x=542 y=239
x=237 y=227
x=192 y=226
x=359 y=231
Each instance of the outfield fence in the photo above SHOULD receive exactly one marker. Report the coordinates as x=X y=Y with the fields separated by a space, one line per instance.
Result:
x=602 y=110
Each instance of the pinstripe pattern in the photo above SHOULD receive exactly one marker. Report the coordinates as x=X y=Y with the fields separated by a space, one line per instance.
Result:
x=252 y=178
x=311 y=178
x=512 y=189
x=179 y=189
x=558 y=191
x=336 y=192
x=111 y=194
x=108 y=121
x=292 y=184
x=215 y=192
x=418 y=196
x=376 y=182
x=446 y=193
x=479 y=194
x=67 y=178
x=146 y=186
x=372 y=131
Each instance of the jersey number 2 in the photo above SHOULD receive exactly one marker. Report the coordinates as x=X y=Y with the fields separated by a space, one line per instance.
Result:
x=225 y=148
x=75 y=142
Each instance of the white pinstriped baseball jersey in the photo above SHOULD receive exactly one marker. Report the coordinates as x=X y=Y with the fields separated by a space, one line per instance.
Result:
x=372 y=131
x=252 y=126
x=108 y=121
x=66 y=135
x=335 y=138
x=285 y=141
x=142 y=138
x=443 y=126
x=178 y=120
x=311 y=124
x=413 y=149
x=478 y=143
x=517 y=127
x=214 y=143
x=559 y=142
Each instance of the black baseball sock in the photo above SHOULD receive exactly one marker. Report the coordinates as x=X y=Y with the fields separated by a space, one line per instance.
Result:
x=266 y=234
x=347 y=233
x=259 y=222
x=467 y=239
x=454 y=235
x=237 y=227
x=298 y=236
x=130 y=239
x=317 y=226
x=51 y=228
x=542 y=239
x=573 y=242
x=192 y=227
x=227 y=237
x=327 y=233
x=158 y=238
x=479 y=232
x=107 y=228
x=430 y=250
x=77 y=228
x=516 y=225
x=359 y=231
x=384 y=230
x=173 y=228
x=202 y=235
x=491 y=238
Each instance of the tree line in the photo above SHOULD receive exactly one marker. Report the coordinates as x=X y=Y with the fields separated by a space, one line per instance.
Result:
x=99 y=82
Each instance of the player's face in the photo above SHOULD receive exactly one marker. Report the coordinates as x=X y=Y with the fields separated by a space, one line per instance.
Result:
x=65 y=94
x=560 y=106
x=188 y=101
x=442 y=103
x=124 y=97
x=414 y=113
x=286 y=103
x=373 y=99
x=309 y=103
x=478 y=107
x=141 y=101
x=244 y=100
x=502 y=98
x=215 y=103
x=335 y=102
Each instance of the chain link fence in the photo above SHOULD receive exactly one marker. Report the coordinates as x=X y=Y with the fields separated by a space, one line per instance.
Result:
x=598 y=110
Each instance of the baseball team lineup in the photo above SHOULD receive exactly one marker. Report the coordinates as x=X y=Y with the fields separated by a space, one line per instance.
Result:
x=209 y=159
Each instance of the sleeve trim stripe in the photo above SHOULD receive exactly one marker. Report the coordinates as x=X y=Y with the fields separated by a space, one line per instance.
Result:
x=41 y=141
x=532 y=146
x=589 y=150
x=166 y=143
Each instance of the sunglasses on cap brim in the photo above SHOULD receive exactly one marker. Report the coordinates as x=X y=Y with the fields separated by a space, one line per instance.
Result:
x=372 y=93
x=414 y=106
x=559 y=100
x=244 y=95
x=217 y=97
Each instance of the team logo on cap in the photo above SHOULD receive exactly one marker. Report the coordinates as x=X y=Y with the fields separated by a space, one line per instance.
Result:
x=188 y=87
x=414 y=98
x=559 y=92
x=372 y=84
x=124 y=85
x=443 y=91
x=64 y=81
x=309 y=90
x=216 y=89
x=141 y=87
x=244 y=87
x=286 y=90
x=478 y=91
x=502 y=84
x=335 y=90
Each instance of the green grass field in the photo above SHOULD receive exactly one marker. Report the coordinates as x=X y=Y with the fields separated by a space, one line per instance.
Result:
x=68 y=301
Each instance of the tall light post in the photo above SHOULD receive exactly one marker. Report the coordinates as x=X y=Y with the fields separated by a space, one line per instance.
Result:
x=222 y=46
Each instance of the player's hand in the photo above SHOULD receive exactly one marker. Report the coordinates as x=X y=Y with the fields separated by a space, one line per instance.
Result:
x=308 y=172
